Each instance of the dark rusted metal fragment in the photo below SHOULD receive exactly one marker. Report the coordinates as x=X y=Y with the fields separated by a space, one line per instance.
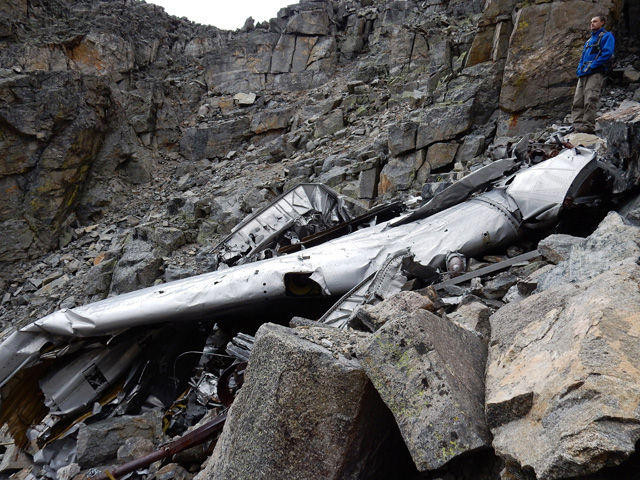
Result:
x=195 y=437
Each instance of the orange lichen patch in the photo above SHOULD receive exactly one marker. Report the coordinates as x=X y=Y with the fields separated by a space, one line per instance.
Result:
x=11 y=190
x=86 y=53
x=384 y=185
x=99 y=258
x=514 y=119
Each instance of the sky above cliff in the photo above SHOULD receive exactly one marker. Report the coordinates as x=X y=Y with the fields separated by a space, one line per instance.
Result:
x=226 y=14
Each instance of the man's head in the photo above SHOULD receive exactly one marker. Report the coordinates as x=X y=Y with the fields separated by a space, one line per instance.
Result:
x=597 y=22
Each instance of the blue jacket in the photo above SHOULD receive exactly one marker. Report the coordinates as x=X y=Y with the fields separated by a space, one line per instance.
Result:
x=594 y=59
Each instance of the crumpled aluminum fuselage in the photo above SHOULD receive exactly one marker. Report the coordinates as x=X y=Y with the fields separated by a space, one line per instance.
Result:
x=486 y=220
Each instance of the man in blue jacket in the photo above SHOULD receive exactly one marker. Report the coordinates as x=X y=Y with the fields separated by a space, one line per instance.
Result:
x=593 y=65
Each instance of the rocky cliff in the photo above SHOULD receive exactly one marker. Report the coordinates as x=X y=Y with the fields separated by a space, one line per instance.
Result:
x=131 y=141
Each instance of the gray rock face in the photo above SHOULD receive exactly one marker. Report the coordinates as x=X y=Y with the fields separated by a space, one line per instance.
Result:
x=563 y=384
x=399 y=173
x=498 y=286
x=473 y=314
x=173 y=471
x=141 y=261
x=215 y=141
x=614 y=242
x=375 y=316
x=444 y=122
x=429 y=372
x=441 y=154
x=134 y=448
x=309 y=22
x=557 y=248
x=305 y=411
x=402 y=138
x=330 y=124
x=53 y=125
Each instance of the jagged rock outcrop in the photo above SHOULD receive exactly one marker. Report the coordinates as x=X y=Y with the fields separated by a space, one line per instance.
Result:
x=177 y=83
x=614 y=243
x=622 y=127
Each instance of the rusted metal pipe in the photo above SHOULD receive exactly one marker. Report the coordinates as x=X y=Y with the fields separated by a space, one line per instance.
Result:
x=195 y=437
x=225 y=395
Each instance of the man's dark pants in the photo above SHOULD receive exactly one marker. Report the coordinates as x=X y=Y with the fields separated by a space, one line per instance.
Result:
x=585 y=101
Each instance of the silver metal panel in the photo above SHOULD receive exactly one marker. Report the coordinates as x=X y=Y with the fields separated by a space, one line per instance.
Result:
x=542 y=188
x=74 y=386
x=469 y=228
x=337 y=266
x=376 y=288
x=20 y=350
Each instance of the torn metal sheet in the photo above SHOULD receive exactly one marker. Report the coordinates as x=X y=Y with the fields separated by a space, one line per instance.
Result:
x=240 y=346
x=487 y=220
x=378 y=214
x=310 y=207
x=82 y=380
x=374 y=289
x=336 y=266
x=206 y=388
x=540 y=191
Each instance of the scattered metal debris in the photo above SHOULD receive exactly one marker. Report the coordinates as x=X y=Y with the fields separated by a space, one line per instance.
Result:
x=300 y=212
x=496 y=267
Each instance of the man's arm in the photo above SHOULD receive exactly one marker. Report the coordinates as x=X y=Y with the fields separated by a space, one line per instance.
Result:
x=607 y=46
x=579 y=71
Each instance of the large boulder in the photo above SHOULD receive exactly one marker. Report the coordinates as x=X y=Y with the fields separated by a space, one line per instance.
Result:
x=563 y=383
x=430 y=373
x=444 y=122
x=614 y=242
x=399 y=173
x=306 y=411
x=143 y=258
x=402 y=138
x=215 y=140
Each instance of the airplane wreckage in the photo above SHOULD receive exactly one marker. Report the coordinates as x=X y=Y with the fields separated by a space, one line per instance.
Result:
x=303 y=255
